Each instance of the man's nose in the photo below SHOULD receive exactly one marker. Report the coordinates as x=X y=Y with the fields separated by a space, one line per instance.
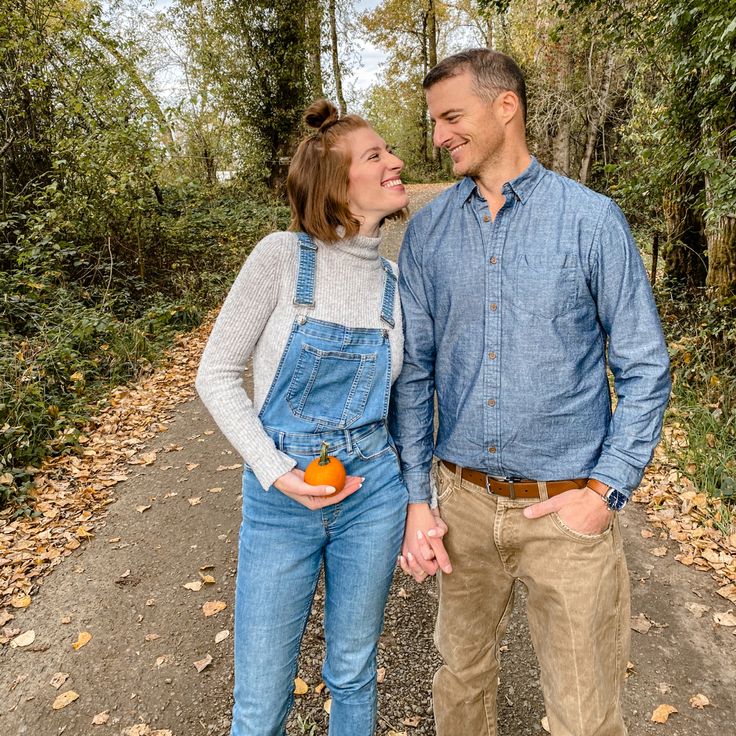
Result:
x=439 y=135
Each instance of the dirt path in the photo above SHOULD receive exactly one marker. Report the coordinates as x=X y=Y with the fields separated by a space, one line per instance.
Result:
x=126 y=587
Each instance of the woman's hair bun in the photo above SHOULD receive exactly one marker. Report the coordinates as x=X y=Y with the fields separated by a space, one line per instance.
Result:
x=321 y=114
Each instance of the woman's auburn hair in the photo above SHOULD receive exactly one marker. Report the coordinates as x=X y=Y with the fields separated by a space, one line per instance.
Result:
x=317 y=182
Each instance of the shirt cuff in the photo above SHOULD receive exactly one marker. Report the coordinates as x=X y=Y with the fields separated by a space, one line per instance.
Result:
x=617 y=474
x=419 y=486
x=271 y=466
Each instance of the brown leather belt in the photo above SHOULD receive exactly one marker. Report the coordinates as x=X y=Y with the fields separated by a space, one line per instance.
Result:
x=515 y=488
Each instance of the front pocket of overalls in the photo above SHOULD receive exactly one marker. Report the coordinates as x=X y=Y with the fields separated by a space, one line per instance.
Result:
x=330 y=387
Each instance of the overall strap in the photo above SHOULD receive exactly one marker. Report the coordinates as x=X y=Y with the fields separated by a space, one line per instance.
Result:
x=389 y=294
x=304 y=294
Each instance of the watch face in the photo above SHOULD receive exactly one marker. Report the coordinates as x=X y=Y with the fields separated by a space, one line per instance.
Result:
x=615 y=499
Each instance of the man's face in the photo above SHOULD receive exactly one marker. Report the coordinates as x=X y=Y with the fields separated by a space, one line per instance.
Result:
x=466 y=125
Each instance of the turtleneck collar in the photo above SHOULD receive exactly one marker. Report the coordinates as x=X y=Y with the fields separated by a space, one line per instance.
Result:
x=361 y=247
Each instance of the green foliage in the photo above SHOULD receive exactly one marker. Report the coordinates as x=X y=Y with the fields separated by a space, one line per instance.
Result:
x=701 y=334
x=64 y=343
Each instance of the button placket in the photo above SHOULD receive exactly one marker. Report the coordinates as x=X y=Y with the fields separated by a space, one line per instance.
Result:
x=493 y=237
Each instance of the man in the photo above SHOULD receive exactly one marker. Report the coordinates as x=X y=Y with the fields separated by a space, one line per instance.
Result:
x=519 y=287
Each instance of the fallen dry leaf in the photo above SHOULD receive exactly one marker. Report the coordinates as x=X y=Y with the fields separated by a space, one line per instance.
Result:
x=545 y=724
x=237 y=466
x=641 y=624
x=152 y=637
x=21 y=601
x=699 y=701
x=195 y=501
x=663 y=712
x=191 y=466
x=221 y=636
x=217 y=489
x=328 y=705
x=5 y=616
x=64 y=699
x=658 y=551
x=195 y=585
x=59 y=679
x=83 y=639
x=402 y=593
x=319 y=688
x=396 y=733
x=380 y=675
x=23 y=640
x=101 y=718
x=728 y=592
x=697 y=609
x=210 y=608
x=207 y=579
x=300 y=687
x=141 y=509
x=66 y=620
x=725 y=619
x=203 y=663
x=647 y=533
x=412 y=721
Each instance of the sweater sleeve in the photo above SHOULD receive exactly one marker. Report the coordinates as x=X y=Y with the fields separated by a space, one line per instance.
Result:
x=219 y=381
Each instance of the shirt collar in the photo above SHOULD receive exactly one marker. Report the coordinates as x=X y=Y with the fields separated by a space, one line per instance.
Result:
x=522 y=186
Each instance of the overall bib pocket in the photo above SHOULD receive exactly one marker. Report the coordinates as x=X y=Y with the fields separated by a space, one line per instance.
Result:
x=317 y=392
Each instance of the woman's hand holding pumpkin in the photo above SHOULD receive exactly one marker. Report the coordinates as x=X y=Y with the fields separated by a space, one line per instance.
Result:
x=314 y=497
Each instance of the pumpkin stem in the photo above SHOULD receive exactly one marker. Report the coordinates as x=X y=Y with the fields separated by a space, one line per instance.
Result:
x=323 y=459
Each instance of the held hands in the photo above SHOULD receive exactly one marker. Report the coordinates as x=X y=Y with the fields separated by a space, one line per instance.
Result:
x=423 y=551
x=581 y=509
x=292 y=485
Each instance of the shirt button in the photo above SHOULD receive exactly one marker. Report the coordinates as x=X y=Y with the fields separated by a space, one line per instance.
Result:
x=493 y=260
x=494 y=307
x=491 y=356
x=486 y=218
x=491 y=402
x=491 y=450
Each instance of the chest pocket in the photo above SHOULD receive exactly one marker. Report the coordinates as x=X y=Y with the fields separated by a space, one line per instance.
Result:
x=331 y=388
x=546 y=286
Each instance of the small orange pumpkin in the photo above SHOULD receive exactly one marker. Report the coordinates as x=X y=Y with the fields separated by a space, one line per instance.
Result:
x=325 y=470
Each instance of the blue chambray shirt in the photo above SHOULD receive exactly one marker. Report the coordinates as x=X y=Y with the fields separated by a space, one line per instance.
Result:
x=511 y=321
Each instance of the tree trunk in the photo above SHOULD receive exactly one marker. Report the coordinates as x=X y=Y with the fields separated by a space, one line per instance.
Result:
x=561 y=138
x=597 y=117
x=432 y=59
x=722 y=257
x=314 y=49
x=686 y=246
x=336 y=59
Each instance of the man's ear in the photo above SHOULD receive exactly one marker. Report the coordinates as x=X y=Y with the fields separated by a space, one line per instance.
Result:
x=507 y=105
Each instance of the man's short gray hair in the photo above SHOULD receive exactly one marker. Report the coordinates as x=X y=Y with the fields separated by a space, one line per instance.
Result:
x=492 y=72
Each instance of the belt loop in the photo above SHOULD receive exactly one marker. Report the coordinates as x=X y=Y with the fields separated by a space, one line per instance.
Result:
x=512 y=490
x=458 y=475
x=542 y=486
x=348 y=442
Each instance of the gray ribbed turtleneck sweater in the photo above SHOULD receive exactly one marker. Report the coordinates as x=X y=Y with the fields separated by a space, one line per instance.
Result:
x=256 y=320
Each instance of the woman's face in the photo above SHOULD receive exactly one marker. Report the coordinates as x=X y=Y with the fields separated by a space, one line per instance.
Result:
x=374 y=184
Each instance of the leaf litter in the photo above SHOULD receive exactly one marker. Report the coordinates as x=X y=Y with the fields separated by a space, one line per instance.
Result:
x=71 y=493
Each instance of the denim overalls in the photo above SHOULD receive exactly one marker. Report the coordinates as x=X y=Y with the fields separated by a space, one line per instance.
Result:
x=332 y=384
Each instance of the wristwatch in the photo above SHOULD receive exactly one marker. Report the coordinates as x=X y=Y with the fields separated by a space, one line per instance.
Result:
x=612 y=497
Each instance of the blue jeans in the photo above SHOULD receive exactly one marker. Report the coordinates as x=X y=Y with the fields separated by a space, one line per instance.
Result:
x=283 y=546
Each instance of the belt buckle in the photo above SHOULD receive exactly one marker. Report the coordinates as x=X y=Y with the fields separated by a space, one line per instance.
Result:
x=505 y=479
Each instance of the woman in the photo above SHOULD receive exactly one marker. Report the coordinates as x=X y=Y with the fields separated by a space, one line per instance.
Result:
x=317 y=309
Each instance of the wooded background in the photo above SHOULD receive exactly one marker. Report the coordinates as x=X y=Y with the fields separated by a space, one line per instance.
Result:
x=144 y=149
